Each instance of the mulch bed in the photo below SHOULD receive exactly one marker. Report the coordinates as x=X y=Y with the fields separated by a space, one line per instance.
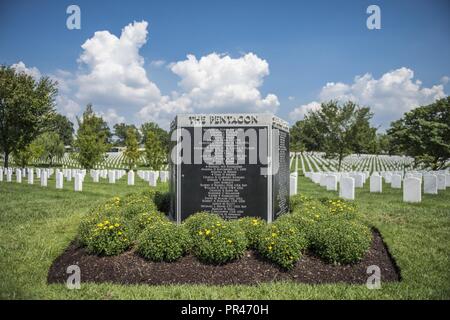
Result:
x=130 y=268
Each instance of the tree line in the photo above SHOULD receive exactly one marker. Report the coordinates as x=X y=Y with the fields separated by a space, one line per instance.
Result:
x=341 y=129
x=30 y=128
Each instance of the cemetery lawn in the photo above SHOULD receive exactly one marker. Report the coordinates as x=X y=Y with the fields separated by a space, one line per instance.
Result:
x=37 y=224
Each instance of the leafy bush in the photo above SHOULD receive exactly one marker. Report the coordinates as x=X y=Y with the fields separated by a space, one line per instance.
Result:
x=104 y=236
x=144 y=220
x=341 y=241
x=194 y=222
x=215 y=240
x=163 y=241
x=252 y=228
x=162 y=201
x=341 y=208
x=282 y=243
x=133 y=204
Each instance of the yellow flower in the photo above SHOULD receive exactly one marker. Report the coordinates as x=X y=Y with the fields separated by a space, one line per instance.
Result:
x=111 y=227
x=207 y=231
x=100 y=225
x=229 y=241
x=270 y=248
x=119 y=233
x=116 y=225
x=200 y=233
x=274 y=234
x=106 y=222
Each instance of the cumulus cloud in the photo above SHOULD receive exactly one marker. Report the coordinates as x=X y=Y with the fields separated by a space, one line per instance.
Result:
x=394 y=93
x=220 y=83
x=111 y=76
x=20 y=67
x=114 y=72
x=157 y=63
x=111 y=116
x=299 y=112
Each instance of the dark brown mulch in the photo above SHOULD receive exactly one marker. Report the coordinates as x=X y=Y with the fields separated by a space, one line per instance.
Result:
x=130 y=268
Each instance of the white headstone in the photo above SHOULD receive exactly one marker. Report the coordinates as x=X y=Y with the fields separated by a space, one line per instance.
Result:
x=95 y=175
x=19 y=176
x=69 y=175
x=112 y=176
x=78 y=182
x=359 y=179
x=8 y=175
x=322 y=181
x=331 y=182
x=43 y=178
x=396 y=181
x=376 y=183
x=316 y=177
x=38 y=173
x=59 y=180
x=412 y=188
x=293 y=182
x=347 y=188
x=1 y=174
x=430 y=184
x=153 y=178
x=131 y=178
x=30 y=176
x=441 y=181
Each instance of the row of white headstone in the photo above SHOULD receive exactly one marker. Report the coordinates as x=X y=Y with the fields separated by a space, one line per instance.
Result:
x=412 y=182
x=78 y=175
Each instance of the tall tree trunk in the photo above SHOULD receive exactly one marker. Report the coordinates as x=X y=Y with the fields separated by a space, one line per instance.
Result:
x=340 y=161
x=6 y=159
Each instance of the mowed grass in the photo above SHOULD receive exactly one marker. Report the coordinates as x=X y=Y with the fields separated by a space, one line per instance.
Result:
x=37 y=224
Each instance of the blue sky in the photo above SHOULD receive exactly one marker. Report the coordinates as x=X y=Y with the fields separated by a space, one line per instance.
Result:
x=306 y=44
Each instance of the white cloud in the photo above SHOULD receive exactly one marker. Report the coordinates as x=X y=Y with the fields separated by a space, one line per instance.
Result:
x=157 y=63
x=112 y=77
x=111 y=116
x=113 y=72
x=219 y=83
x=299 y=112
x=20 y=67
x=445 y=79
x=393 y=94
x=291 y=98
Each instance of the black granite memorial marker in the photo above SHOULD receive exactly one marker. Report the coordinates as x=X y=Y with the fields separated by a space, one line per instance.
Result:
x=221 y=163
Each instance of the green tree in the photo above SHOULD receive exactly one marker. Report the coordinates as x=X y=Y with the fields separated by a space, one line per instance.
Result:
x=161 y=135
x=155 y=154
x=121 y=131
x=338 y=130
x=132 y=153
x=64 y=127
x=424 y=134
x=52 y=146
x=25 y=156
x=91 y=140
x=26 y=105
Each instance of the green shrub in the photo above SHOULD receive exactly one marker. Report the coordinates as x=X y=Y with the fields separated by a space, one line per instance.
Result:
x=215 y=240
x=341 y=208
x=162 y=201
x=252 y=228
x=304 y=224
x=194 y=222
x=104 y=236
x=144 y=220
x=163 y=241
x=341 y=241
x=282 y=243
x=136 y=203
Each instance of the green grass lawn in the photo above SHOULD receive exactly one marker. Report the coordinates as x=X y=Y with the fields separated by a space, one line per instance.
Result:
x=37 y=224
